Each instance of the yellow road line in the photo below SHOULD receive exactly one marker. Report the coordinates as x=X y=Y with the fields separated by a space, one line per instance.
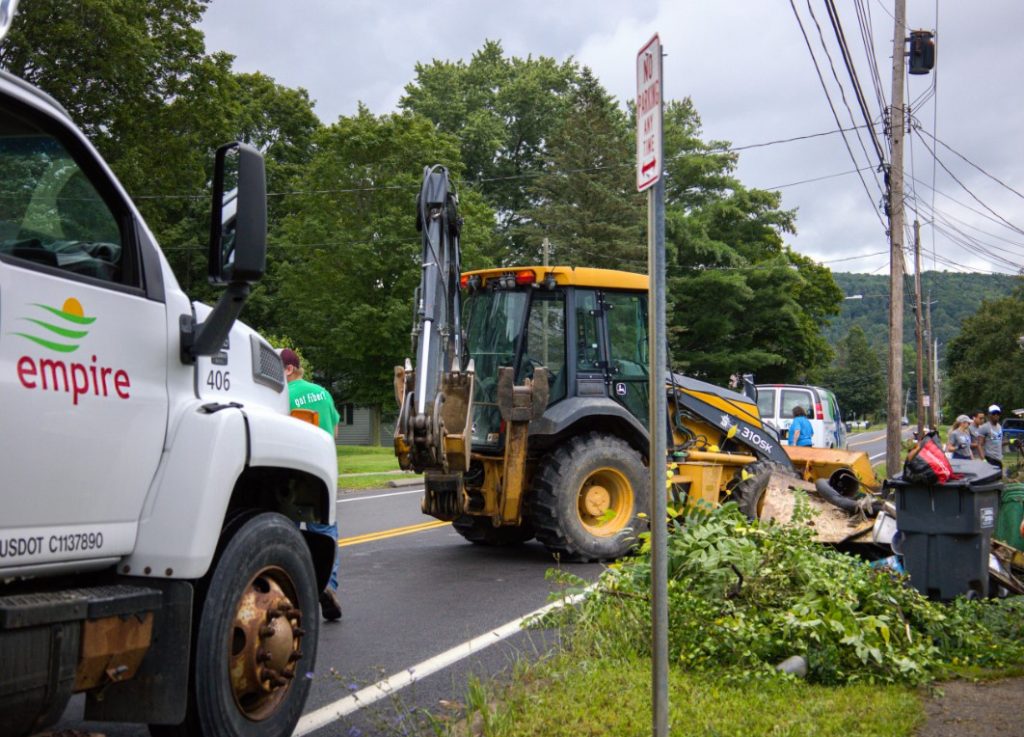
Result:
x=395 y=532
x=867 y=442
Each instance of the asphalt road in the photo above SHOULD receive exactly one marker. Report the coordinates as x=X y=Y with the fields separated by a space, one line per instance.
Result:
x=411 y=589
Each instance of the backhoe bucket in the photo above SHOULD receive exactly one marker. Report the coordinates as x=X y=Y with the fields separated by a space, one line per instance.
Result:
x=456 y=419
x=838 y=466
x=438 y=440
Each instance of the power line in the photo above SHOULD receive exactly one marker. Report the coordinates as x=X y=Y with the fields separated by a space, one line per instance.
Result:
x=969 y=191
x=817 y=179
x=835 y=115
x=854 y=258
x=867 y=35
x=844 y=49
x=842 y=94
x=964 y=205
x=994 y=178
x=935 y=117
x=794 y=139
x=528 y=175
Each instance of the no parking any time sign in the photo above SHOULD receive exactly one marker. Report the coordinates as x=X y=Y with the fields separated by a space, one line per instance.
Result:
x=648 y=114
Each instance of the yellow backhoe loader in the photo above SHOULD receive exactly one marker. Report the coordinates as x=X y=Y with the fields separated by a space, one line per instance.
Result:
x=527 y=411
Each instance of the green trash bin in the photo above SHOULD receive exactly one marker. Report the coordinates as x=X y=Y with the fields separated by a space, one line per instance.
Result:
x=1011 y=511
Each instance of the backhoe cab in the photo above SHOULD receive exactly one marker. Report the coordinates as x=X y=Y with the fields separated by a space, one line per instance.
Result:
x=537 y=421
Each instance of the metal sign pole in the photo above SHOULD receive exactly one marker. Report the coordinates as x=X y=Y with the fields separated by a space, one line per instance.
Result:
x=659 y=413
x=649 y=168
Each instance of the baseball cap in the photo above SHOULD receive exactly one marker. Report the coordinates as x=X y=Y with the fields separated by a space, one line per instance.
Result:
x=962 y=418
x=994 y=410
x=290 y=357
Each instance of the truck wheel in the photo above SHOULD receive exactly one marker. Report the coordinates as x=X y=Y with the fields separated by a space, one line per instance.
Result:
x=255 y=634
x=480 y=531
x=587 y=496
x=749 y=493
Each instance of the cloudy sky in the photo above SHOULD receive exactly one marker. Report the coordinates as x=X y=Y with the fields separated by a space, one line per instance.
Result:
x=746 y=66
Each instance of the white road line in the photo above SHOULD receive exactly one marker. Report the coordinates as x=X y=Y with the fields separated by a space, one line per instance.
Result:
x=383 y=689
x=877 y=455
x=379 y=496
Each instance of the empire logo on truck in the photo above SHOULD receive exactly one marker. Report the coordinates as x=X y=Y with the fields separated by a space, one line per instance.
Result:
x=60 y=330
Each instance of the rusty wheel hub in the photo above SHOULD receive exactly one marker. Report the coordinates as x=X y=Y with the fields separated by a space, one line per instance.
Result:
x=265 y=643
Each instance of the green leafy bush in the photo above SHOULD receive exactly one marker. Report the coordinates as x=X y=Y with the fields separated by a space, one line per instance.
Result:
x=744 y=596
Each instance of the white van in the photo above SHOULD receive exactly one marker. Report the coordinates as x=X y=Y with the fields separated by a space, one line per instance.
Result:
x=776 y=402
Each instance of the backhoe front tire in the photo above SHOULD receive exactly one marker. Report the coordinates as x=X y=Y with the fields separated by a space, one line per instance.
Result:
x=480 y=531
x=257 y=615
x=749 y=493
x=587 y=496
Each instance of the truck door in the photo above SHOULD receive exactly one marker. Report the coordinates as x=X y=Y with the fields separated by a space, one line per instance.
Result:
x=83 y=351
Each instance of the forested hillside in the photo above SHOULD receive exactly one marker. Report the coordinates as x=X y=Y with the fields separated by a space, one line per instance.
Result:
x=954 y=296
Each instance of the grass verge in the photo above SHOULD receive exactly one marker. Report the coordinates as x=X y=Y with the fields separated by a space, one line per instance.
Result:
x=374 y=481
x=366 y=459
x=568 y=696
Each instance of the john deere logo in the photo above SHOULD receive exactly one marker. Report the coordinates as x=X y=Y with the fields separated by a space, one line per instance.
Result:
x=62 y=330
x=58 y=329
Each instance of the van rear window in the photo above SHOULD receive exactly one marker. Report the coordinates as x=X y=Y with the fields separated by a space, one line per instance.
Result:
x=796 y=397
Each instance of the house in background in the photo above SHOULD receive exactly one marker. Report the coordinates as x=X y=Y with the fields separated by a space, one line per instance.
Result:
x=363 y=425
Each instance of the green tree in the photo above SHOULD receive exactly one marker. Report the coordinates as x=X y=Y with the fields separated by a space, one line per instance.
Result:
x=585 y=201
x=502 y=111
x=109 y=62
x=348 y=298
x=985 y=362
x=740 y=300
x=856 y=375
x=136 y=77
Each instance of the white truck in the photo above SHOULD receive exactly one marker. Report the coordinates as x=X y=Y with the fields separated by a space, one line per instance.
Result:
x=151 y=478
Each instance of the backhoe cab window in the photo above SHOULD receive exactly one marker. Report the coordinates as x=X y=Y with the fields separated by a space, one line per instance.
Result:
x=493 y=321
x=545 y=343
x=50 y=213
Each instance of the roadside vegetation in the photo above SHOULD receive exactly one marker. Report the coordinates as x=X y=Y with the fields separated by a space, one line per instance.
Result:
x=367 y=467
x=742 y=598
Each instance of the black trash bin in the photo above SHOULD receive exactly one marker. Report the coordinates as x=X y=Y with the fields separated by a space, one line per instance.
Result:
x=947 y=530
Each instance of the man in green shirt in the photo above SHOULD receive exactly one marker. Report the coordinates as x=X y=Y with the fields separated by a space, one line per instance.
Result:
x=304 y=394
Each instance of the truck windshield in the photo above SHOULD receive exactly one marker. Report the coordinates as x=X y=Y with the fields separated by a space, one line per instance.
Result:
x=493 y=322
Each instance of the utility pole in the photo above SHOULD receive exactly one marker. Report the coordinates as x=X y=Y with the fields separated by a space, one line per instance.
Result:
x=893 y=431
x=918 y=333
x=933 y=365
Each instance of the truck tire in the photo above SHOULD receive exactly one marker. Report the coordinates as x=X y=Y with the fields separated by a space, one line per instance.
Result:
x=255 y=608
x=480 y=531
x=749 y=493
x=587 y=497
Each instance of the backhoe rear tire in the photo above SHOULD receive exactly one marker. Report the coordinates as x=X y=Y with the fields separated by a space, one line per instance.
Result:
x=749 y=493
x=480 y=531
x=587 y=496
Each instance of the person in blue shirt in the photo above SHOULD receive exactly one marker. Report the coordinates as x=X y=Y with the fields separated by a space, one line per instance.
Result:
x=800 y=432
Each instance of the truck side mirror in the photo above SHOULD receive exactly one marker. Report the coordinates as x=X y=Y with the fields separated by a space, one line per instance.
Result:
x=238 y=216
x=238 y=246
